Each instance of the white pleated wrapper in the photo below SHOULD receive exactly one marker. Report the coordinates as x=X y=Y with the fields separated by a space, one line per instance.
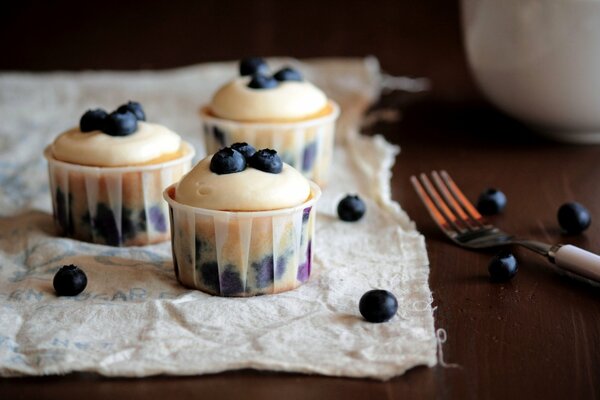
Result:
x=134 y=318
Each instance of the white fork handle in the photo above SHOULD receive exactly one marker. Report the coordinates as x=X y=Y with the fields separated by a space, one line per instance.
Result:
x=578 y=261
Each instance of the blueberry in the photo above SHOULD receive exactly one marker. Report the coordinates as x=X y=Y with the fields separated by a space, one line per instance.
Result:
x=378 y=305
x=120 y=124
x=227 y=161
x=503 y=266
x=266 y=160
x=574 y=218
x=93 y=120
x=288 y=74
x=69 y=281
x=491 y=201
x=253 y=65
x=351 y=208
x=260 y=81
x=135 y=108
x=244 y=148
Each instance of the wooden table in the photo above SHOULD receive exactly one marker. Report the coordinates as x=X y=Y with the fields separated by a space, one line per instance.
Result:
x=535 y=337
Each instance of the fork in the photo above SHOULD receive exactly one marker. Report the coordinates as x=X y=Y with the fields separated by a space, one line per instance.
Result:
x=463 y=224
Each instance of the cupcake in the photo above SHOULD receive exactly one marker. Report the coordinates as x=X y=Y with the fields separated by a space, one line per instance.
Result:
x=242 y=224
x=282 y=111
x=108 y=174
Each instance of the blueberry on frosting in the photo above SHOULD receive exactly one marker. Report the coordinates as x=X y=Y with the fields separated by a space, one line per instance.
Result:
x=266 y=160
x=120 y=123
x=260 y=81
x=253 y=65
x=288 y=74
x=227 y=161
x=93 y=120
x=244 y=148
x=135 y=108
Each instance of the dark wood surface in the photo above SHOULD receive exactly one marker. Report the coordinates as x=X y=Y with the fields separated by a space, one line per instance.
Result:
x=535 y=337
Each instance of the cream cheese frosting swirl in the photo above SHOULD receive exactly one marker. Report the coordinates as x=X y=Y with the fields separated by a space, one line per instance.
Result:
x=150 y=142
x=248 y=190
x=290 y=100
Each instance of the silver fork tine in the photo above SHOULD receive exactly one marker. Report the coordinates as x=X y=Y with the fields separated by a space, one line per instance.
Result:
x=468 y=221
x=462 y=199
x=435 y=214
x=441 y=206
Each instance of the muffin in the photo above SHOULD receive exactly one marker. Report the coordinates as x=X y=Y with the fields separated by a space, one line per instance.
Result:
x=282 y=111
x=242 y=224
x=108 y=174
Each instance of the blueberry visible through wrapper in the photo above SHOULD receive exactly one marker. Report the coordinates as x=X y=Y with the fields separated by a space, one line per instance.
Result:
x=120 y=123
x=378 y=305
x=260 y=81
x=135 y=108
x=253 y=65
x=70 y=280
x=93 y=120
x=573 y=218
x=503 y=266
x=491 y=201
x=351 y=208
x=244 y=148
x=266 y=160
x=288 y=74
x=227 y=161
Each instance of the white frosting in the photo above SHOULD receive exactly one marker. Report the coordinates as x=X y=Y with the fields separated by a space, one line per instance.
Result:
x=248 y=190
x=149 y=142
x=290 y=100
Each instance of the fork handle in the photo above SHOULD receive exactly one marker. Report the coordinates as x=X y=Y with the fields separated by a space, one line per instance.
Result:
x=576 y=260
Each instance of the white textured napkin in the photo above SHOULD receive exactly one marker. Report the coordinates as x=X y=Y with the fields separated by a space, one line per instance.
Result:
x=134 y=319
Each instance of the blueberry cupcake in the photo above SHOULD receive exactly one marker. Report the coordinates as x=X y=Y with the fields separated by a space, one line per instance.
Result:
x=242 y=224
x=281 y=111
x=108 y=174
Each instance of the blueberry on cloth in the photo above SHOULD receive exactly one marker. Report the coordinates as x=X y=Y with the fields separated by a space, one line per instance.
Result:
x=351 y=208
x=260 y=81
x=93 y=120
x=135 y=108
x=120 y=124
x=266 y=160
x=253 y=65
x=503 y=266
x=227 y=161
x=288 y=74
x=244 y=148
x=573 y=218
x=378 y=305
x=70 y=280
x=491 y=201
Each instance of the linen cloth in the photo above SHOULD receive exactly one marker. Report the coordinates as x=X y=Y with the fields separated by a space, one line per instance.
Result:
x=134 y=319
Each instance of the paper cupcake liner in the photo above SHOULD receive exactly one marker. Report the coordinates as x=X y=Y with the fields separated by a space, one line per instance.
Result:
x=117 y=206
x=305 y=145
x=242 y=253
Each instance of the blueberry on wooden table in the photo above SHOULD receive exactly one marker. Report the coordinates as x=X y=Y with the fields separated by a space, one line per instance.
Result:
x=93 y=120
x=253 y=65
x=260 y=81
x=491 y=201
x=135 y=108
x=288 y=74
x=378 y=305
x=503 y=267
x=266 y=160
x=121 y=123
x=351 y=208
x=244 y=148
x=70 y=280
x=573 y=218
x=227 y=161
